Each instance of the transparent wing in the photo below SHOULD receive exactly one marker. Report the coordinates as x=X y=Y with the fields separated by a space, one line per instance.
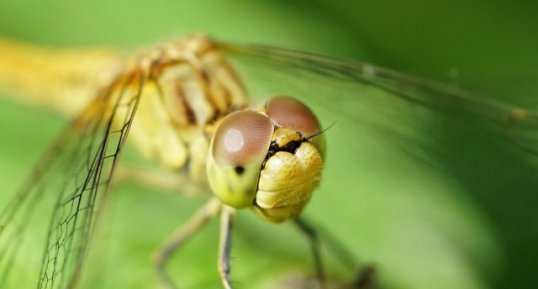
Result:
x=71 y=180
x=417 y=91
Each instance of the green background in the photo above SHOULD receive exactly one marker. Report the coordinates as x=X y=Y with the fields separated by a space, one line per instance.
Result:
x=434 y=198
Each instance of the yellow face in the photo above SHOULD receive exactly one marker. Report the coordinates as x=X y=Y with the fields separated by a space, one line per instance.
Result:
x=270 y=160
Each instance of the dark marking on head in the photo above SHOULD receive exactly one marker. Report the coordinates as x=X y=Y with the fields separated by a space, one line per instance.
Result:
x=290 y=147
x=239 y=170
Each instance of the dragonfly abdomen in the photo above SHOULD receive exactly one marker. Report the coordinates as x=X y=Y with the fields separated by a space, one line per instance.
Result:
x=63 y=79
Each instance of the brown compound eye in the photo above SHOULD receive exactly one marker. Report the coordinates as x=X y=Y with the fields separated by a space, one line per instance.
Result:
x=291 y=113
x=242 y=138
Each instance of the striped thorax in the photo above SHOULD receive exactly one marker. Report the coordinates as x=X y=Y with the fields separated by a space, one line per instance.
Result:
x=190 y=87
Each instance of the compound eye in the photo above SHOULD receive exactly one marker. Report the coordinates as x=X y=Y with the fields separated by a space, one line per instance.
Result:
x=242 y=138
x=291 y=113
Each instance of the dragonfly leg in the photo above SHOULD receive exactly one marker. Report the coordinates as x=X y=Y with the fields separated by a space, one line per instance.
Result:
x=178 y=238
x=225 y=242
x=366 y=279
x=312 y=235
x=162 y=180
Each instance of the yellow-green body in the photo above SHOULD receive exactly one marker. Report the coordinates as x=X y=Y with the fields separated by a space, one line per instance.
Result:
x=189 y=89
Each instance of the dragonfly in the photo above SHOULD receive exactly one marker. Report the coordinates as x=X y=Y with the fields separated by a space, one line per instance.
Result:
x=183 y=105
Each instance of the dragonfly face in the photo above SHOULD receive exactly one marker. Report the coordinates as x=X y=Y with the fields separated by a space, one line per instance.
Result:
x=270 y=160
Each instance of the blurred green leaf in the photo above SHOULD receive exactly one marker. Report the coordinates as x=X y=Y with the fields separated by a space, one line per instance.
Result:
x=435 y=197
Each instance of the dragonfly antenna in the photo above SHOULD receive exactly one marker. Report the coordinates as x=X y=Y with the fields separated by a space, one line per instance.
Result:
x=321 y=131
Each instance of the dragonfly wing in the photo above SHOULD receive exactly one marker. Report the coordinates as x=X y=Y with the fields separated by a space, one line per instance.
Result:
x=76 y=173
x=520 y=122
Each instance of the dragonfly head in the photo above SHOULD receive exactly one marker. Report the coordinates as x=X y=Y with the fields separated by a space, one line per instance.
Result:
x=270 y=159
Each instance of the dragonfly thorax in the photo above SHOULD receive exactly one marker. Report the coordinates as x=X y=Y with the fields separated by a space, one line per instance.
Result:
x=190 y=87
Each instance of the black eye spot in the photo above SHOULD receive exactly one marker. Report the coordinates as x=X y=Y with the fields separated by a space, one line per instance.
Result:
x=239 y=170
